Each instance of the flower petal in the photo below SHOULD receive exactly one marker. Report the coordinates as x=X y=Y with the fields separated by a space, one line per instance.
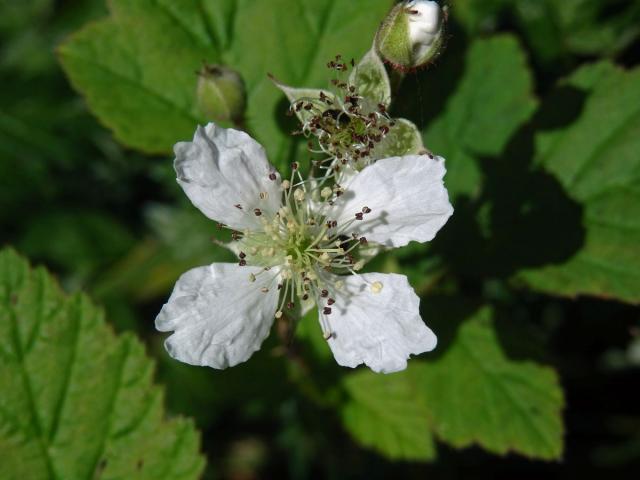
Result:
x=407 y=198
x=379 y=329
x=219 y=316
x=226 y=174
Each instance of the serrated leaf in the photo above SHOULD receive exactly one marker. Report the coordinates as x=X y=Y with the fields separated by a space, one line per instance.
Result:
x=596 y=161
x=384 y=412
x=78 y=402
x=475 y=393
x=492 y=100
x=136 y=68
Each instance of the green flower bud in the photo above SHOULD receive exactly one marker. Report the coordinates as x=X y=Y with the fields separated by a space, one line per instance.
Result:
x=412 y=34
x=221 y=93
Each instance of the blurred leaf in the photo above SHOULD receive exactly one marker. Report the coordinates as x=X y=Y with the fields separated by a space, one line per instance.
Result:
x=596 y=161
x=475 y=393
x=387 y=413
x=137 y=67
x=182 y=239
x=491 y=100
x=81 y=242
x=77 y=401
x=476 y=16
x=578 y=26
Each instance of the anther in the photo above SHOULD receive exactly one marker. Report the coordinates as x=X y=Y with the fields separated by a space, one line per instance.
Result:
x=331 y=301
x=298 y=194
x=363 y=241
x=278 y=314
x=290 y=305
x=257 y=211
x=328 y=335
x=242 y=255
x=238 y=206
x=326 y=310
x=264 y=195
x=272 y=176
x=366 y=210
x=359 y=216
x=324 y=293
x=242 y=262
x=376 y=287
x=294 y=166
x=264 y=290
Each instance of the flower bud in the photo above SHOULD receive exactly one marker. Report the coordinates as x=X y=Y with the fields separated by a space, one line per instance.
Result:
x=221 y=93
x=412 y=34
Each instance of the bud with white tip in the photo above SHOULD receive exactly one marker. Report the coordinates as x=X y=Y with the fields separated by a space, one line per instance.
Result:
x=412 y=34
x=221 y=93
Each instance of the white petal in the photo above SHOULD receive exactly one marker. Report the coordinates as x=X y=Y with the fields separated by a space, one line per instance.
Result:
x=380 y=329
x=407 y=198
x=219 y=317
x=223 y=168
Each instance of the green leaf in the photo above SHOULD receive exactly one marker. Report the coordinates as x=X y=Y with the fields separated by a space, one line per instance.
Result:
x=492 y=100
x=596 y=161
x=136 y=68
x=78 y=402
x=476 y=393
x=385 y=412
x=580 y=27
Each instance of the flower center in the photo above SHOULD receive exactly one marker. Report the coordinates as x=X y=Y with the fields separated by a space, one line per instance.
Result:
x=300 y=249
x=348 y=127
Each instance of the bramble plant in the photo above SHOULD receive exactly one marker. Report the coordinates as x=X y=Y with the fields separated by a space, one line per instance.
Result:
x=358 y=230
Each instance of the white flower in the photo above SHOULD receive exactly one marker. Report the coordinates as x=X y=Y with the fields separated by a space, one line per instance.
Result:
x=296 y=245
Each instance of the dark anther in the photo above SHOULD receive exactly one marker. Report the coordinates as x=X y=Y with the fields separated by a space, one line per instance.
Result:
x=359 y=216
x=324 y=293
x=363 y=241
x=242 y=255
x=326 y=310
x=330 y=301
x=235 y=235
x=305 y=297
x=272 y=176
x=308 y=106
x=290 y=305
x=242 y=262
x=220 y=226
x=279 y=286
x=431 y=156
x=366 y=210
x=294 y=165
x=258 y=212
x=238 y=206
